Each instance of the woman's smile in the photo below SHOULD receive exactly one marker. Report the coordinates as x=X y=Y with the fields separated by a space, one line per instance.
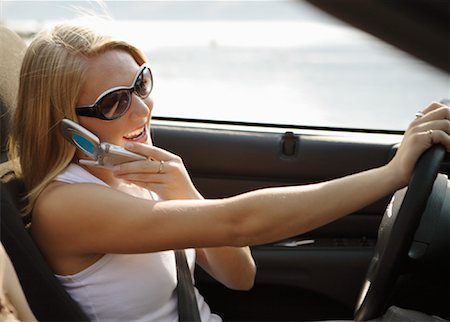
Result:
x=139 y=135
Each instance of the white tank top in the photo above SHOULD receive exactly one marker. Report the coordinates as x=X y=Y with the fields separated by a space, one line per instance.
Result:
x=128 y=287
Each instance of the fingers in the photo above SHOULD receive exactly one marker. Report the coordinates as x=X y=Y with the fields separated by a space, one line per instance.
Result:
x=433 y=125
x=431 y=107
x=152 y=152
x=143 y=180
x=158 y=160
x=434 y=111
x=143 y=167
x=163 y=173
x=440 y=137
x=160 y=167
x=440 y=125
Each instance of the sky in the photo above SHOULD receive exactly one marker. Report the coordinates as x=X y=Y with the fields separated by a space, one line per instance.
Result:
x=257 y=61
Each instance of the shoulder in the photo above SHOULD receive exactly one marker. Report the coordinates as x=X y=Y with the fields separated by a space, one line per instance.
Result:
x=61 y=201
x=82 y=213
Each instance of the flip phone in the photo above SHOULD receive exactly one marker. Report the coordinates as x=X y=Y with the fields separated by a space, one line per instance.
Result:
x=103 y=154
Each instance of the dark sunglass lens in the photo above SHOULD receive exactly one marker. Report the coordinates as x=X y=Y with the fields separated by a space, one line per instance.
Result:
x=144 y=83
x=115 y=104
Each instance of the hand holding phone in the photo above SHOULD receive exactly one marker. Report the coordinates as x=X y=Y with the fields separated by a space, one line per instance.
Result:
x=103 y=154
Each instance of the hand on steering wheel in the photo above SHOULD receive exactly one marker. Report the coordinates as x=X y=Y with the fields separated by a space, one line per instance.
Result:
x=395 y=235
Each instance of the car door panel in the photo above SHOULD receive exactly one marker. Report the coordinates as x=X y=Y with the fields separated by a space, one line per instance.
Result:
x=246 y=154
x=321 y=269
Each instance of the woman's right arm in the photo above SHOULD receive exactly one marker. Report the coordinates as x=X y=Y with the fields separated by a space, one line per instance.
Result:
x=100 y=220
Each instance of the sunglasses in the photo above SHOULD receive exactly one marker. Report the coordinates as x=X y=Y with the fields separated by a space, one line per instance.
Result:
x=116 y=101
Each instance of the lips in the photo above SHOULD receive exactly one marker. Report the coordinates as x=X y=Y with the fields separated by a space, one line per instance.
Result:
x=136 y=135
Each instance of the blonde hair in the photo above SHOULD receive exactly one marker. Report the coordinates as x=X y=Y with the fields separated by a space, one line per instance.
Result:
x=52 y=73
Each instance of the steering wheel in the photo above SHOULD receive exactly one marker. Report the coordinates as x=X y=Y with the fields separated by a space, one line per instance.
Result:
x=395 y=235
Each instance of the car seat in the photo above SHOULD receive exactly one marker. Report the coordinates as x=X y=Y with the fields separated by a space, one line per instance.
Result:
x=47 y=298
x=12 y=49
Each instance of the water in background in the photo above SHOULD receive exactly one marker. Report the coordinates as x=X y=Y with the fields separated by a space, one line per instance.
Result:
x=263 y=61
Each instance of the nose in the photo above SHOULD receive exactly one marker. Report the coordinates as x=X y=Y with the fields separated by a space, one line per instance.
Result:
x=141 y=107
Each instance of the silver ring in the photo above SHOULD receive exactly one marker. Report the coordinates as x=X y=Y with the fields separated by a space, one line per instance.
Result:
x=161 y=166
x=419 y=115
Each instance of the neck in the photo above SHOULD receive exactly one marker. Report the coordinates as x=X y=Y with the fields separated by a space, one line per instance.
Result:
x=103 y=174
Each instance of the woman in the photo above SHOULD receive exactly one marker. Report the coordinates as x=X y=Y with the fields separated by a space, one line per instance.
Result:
x=105 y=235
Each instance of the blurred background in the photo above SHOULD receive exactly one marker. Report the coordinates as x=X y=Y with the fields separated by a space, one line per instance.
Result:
x=277 y=61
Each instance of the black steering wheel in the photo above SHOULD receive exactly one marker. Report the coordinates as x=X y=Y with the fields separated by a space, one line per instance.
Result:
x=395 y=235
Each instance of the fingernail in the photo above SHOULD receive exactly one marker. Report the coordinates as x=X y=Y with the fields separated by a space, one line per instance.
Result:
x=129 y=145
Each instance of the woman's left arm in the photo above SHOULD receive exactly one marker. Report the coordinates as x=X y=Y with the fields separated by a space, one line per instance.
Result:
x=232 y=266
x=165 y=174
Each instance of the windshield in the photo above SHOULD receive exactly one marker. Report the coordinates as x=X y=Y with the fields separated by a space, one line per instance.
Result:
x=279 y=62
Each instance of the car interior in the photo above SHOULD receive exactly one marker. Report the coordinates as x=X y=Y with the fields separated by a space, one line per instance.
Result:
x=393 y=253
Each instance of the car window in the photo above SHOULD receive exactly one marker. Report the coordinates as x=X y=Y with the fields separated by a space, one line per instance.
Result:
x=278 y=62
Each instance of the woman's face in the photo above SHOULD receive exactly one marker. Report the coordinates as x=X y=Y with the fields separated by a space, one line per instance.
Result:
x=111 y=69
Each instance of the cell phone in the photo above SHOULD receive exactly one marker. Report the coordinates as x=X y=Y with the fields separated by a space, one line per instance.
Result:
x=103 y=154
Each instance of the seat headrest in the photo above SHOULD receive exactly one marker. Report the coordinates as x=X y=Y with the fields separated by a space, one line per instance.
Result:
x=12 y=50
